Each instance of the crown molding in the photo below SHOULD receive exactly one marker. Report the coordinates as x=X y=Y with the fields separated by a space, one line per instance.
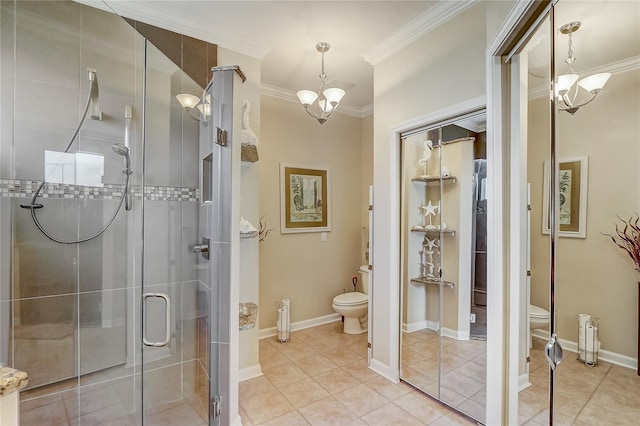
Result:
x=625 y=65
x=132 y=10
x=290 y=96
x=418 y=27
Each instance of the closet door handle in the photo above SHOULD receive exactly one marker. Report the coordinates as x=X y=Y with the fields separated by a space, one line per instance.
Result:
x=167 y=332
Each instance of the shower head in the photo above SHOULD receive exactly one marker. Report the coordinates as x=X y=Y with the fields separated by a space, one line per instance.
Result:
x=120 y=149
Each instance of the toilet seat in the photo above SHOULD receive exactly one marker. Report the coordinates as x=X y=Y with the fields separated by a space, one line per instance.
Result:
x=351 y=298
x=538 y=312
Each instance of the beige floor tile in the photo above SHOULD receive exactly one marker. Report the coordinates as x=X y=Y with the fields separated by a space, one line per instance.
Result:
x=284 y=375
x=416 y=378
x=254 y=387
x=243 y=416
x=560 y=419
x=388 y=389
x=360 y=370
x=272 y=358
x=531 y=403
x=336 y=381
x=342 y=356
x=390 y=414
x=293 y=418
x=361 y=399
x=296 y=350
x=451 y=397
x=51 y=413
x=475 y=371
x=451 y=362
x=266 y=406
x=328 y=411
x=423 y=408
x=594 y=414
x=473 y=409
x=453 y=419
x=304 y=392
x=462 y=384
x=410 y=356
x=315 y=365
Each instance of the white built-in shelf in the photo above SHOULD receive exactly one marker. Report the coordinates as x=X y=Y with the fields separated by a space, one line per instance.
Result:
x=430 y=180
x=434 y=232
x=433 y=281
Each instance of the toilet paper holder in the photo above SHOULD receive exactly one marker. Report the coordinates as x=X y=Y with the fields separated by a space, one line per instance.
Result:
x=588 y=343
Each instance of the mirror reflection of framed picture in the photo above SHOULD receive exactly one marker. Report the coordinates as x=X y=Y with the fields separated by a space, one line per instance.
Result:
x=572 y=197
x=304 y=199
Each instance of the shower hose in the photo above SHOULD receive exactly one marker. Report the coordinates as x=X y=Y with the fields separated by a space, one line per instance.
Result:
x=34 y=206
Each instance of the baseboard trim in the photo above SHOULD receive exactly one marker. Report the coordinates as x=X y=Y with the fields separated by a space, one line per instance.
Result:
x=250 y=372
x=385 y=371
x=301 y=325
x=433 y=325
x=523 y=382
x=604 y=355
x=455 y=334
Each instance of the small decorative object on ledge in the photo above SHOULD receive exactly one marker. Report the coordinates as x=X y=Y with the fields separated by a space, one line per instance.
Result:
x=248 y=139
x=247 y=230
x=248 y=315
x=12 y=380
x=248 y=153
x=629 y=240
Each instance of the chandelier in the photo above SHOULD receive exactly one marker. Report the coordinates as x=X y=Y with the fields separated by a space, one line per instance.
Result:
x=328 y=99
x=567 y=90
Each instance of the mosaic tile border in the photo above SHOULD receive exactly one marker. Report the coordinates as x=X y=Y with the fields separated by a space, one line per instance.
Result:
x=19 y=188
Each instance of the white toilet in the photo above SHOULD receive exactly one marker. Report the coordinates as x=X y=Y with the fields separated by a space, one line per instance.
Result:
x=353 y=306
x=538 y=318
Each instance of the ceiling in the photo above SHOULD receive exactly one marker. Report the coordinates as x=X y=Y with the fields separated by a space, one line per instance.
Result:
x=283 y=35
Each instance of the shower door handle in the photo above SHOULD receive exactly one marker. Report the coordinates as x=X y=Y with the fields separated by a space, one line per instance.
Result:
x=167 y=332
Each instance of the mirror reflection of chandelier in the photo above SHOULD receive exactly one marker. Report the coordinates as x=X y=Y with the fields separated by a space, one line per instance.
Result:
x=567 y=90
x=328 y=99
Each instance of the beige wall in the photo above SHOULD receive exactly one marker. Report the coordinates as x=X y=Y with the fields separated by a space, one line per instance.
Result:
x=300 y=266
x=593 y=276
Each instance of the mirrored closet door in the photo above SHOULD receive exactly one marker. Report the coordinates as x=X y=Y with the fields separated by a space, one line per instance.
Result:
x=443 y=262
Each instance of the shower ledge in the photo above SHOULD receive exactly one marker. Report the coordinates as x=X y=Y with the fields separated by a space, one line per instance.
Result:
x=12 y=380
x=248 y=315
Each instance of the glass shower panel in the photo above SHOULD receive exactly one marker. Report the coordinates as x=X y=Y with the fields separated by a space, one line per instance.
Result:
x=175 y=362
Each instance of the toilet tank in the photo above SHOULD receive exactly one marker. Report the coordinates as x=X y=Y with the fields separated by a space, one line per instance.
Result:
x=364 y=271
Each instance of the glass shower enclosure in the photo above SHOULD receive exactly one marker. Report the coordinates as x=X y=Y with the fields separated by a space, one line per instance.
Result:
x=103 y=300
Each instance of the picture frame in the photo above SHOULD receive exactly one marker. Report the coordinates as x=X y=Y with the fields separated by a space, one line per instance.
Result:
x=304 y=199
x=572 y=207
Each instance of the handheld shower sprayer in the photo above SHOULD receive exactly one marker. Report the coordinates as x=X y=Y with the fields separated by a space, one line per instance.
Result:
x=120 y=149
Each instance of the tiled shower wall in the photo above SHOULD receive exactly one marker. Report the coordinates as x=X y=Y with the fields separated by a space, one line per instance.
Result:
x=80 y=302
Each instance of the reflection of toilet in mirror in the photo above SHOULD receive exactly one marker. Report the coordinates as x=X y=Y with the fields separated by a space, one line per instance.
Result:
x=538 y=318
x=353 y=306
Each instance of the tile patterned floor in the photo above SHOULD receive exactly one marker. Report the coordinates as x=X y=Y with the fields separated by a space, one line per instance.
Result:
x=320 y=377
x=464 y=369
x=606 y=394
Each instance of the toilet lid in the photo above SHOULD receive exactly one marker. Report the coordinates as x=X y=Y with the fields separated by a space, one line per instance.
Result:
x=351 y=298
x=538 y=312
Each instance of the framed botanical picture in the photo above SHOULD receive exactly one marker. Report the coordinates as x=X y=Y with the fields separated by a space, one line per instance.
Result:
x=304 y=199
x=572 y=197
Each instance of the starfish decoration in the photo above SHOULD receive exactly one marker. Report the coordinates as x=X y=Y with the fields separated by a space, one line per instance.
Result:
x=430 y=209
x=431 y=244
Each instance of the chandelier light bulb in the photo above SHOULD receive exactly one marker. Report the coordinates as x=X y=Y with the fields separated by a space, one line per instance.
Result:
x=594 y=83
x=307 y=97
